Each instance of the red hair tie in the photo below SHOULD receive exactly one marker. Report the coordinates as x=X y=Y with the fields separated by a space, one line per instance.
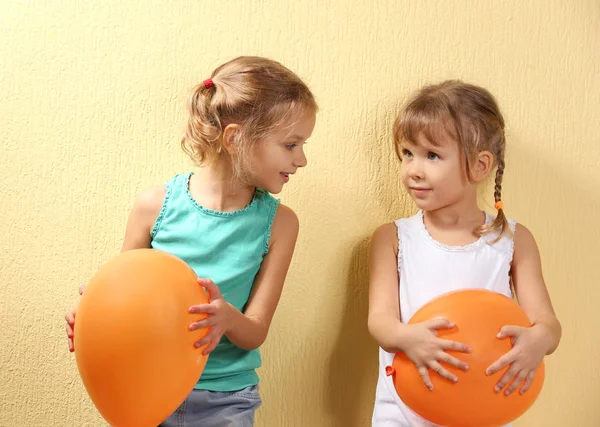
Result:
x=208 y=83
x=499 y=205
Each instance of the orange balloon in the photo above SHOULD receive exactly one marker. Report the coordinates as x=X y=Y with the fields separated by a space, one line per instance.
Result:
x=133 y=346
x=471 y=402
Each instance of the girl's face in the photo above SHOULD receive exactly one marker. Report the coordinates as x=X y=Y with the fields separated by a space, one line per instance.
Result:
x=434 y=174
x=276 y=158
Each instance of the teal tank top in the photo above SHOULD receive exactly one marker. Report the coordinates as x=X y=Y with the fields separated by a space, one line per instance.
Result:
x=228 y=248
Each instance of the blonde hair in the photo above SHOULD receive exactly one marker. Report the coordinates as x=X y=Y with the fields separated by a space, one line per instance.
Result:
x=467 y=113
x=256 y=93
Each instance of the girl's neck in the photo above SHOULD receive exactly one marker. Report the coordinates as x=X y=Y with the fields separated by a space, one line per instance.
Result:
x=214 y=187
x=464 y=212
x=455 y=216
x=455 y=225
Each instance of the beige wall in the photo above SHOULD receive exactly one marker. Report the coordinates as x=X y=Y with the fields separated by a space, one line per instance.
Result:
x=92 y=108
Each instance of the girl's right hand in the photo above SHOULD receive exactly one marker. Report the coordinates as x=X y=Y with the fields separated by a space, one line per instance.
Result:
x=70 y=318
x=426 y=350
x=218 y=317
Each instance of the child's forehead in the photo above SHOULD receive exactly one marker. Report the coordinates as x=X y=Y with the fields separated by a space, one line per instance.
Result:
x=428 y=128
x=297 y=125
x=430 y=137
x=296 y=120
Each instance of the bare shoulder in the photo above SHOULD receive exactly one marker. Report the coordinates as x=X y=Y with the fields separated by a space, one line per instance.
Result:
x=147 y=206
x=385 y=235
x=521 y=231
x=285 y=223
x=151 y=199
x=145 y=211
x=524 y=240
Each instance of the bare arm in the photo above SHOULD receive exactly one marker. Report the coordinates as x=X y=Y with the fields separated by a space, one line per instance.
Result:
x=249 y=330
x=530 y=345
x=143 y=215
x=531 y=289
x=384 y=305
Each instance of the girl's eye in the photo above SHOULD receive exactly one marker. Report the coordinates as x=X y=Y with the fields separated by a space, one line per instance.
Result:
x=290 y=146
x=406 y=153
x=432 y=156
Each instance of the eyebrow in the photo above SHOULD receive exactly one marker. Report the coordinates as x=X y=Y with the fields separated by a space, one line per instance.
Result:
x=428 y=147
x=294 y=137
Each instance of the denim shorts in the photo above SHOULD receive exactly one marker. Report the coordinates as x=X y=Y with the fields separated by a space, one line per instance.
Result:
x=204 y=408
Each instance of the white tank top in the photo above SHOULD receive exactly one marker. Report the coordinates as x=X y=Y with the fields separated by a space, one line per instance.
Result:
x=427 y=269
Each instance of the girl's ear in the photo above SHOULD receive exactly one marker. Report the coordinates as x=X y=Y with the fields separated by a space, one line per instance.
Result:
x=481 y=168
x=231 y=135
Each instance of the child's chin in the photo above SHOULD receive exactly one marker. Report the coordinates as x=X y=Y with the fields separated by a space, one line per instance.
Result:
x=273 y=189
x=424 y=205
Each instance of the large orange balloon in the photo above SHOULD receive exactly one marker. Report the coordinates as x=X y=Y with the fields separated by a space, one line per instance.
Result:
x=471 y=402
x=133 y=347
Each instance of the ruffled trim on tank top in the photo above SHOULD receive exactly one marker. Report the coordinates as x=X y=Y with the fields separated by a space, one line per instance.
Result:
x=513 y=227
x=218 y=213
x=163 y=209
x=272 y=212
x=398 y=233
x=465 y=248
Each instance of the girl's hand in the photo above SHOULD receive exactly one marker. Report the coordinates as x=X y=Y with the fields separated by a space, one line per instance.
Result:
x=218 y=315
x=70 y=318
x=529 y=348
x=426 y=350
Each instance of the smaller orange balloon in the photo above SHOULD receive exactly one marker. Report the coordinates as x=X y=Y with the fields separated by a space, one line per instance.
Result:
x=133 y=347
x=471 y=402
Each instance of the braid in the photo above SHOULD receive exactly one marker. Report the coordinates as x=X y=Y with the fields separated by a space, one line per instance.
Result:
x=498 y=182
x=500 y=223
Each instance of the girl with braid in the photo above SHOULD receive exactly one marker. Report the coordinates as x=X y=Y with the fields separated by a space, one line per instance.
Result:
x=449 y=138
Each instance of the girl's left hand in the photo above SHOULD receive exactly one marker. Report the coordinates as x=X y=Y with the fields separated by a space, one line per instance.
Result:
x=529 y=349
x=218 y=316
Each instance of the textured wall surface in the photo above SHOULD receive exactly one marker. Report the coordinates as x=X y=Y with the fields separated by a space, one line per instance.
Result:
x=92 y=109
